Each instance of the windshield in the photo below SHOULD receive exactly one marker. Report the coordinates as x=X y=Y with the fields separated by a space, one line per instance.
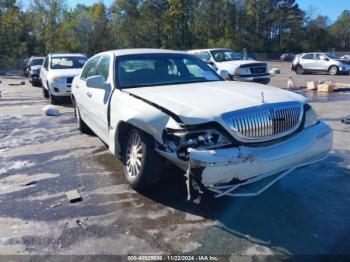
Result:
x=226 y=55
x=162 y=69
x=66 y=62
x=331 y=56
x=36 y=61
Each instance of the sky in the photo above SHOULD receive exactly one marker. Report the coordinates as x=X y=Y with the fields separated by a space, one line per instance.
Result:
x=331 y=8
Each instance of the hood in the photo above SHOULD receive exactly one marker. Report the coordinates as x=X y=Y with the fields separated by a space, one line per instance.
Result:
x=240 y=62
x=65 y=72
x=35 y=67
x=204 y=102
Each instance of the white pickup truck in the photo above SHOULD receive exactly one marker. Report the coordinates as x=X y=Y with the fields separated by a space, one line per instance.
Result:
x=232 y=66
x=148 y=105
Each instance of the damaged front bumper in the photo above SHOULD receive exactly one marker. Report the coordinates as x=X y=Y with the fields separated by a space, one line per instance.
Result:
x=242 y=164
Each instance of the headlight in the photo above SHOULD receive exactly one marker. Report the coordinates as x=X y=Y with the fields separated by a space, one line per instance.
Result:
x=242 y=71
x=310 y=117
x=181 y=140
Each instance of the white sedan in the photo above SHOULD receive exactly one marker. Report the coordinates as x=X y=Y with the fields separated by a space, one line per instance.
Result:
x=149 y=105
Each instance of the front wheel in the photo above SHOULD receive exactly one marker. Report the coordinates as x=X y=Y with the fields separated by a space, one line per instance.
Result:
x=80 y=122
x=142 y=164
x=45 y=92
x=333 y=70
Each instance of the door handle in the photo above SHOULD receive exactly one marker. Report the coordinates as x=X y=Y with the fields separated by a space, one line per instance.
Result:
x=89 y=94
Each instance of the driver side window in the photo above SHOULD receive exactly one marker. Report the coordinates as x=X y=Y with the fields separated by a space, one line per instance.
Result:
x=90 y=68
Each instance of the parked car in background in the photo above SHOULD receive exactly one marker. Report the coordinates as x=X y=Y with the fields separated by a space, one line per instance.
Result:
x=232 y=66
x=24 y=66
x=57 y=74
x=34 y=65
x=287 y=57
x=148 y=105
x=319 y=62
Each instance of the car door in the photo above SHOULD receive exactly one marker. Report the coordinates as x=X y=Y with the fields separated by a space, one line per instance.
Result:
x=99 y=98
x=308 y=62
x=322 y=62
x=82 y=92
x=43 y=71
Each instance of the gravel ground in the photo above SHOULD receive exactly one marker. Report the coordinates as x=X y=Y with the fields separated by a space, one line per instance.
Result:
x=42 y=158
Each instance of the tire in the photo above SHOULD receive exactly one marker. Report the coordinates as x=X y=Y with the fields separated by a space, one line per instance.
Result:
x=53 y=99
x=142 y=164
x=299 y=70
x=333 y=70
x=45 y=92
x=83 y=128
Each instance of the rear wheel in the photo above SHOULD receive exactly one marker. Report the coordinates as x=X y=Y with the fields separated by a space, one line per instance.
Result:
x=299 y=70
x=333 y=70
x=142 y=164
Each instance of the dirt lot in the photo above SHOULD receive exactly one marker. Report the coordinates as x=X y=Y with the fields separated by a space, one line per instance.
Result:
x=42 y=158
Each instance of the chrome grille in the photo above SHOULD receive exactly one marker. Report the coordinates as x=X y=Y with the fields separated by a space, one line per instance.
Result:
x=265 y=122
x=258 y=70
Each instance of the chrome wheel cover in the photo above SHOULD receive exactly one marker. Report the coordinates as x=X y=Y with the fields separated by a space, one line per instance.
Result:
x=333 y=70
x=134 y=156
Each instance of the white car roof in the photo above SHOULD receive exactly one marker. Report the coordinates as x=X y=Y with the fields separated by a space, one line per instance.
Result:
x=134 y=51
x=68 y=54
x=210 y=49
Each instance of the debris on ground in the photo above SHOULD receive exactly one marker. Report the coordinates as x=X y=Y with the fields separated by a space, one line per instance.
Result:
x=51 y=111
x=326 y=86
x=81 y=224
x=346 y=120
x=81 y=188
x=312 y=85
x=275 y=71
x=74 y=196
x=18 y=84
x=30 y=183
x=56 y=205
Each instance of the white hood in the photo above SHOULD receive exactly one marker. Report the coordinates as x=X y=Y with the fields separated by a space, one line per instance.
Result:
x=65 y=72
x=204 y=102
x=35 y=67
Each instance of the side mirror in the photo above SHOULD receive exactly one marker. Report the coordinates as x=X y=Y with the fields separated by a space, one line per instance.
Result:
x=95 y=82
x=326 y=59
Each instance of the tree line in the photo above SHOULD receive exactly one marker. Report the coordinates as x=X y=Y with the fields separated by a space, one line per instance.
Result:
x=258 y=25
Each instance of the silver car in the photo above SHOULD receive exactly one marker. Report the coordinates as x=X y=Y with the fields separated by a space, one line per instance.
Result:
x=319 y=62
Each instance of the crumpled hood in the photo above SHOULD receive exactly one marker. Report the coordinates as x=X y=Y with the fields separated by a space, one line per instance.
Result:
x=65 y=72
x=204 y=102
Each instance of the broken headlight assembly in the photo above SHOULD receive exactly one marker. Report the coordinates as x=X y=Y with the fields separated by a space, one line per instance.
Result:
x=203 y=139
x=310 y=117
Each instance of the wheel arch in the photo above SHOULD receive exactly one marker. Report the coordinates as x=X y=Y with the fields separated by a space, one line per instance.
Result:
x=333 y=65
x=120 y=134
